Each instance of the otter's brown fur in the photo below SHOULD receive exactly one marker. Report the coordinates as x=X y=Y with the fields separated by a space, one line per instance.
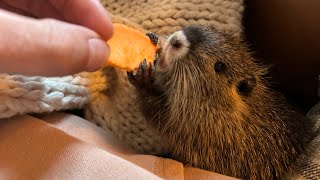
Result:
x=226 y=121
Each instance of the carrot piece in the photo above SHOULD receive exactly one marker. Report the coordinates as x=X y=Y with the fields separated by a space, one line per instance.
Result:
x=129 y=47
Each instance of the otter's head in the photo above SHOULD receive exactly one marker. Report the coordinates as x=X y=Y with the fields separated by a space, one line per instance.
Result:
x=205 y=72
x=202 y=62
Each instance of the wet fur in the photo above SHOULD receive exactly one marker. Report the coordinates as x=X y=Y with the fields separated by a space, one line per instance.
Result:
x=209 y=124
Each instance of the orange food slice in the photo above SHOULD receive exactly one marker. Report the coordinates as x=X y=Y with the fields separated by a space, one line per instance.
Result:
x=129 y=47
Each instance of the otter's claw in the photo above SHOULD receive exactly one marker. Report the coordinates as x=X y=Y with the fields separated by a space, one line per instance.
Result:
x=139 y=73
x=131 y=77
x=152 y=72
x=144 y=77
x=153 y=37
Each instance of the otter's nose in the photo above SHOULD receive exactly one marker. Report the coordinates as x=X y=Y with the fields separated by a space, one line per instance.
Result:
x=178 y=40
x=175 y=42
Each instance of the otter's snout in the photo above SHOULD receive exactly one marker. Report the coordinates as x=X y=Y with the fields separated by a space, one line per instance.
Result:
x=174 y=48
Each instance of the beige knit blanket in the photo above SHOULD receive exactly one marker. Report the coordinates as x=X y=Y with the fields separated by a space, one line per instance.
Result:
x=106 y=95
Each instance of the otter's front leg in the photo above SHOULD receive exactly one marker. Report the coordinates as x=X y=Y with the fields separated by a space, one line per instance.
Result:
x=150 y=96
x=144 y=78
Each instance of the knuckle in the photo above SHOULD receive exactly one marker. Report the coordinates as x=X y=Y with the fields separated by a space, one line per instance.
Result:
x=66 y=44
x=49 y=28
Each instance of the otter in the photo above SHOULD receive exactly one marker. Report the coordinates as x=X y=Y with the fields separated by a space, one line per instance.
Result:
x=211 y=102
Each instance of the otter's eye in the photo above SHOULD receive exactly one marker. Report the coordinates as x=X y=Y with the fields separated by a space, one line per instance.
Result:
x=219 y=66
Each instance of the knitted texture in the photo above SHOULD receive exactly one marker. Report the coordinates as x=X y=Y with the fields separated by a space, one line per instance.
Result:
x=116 y=109
x=22 y=95
x=165 y=16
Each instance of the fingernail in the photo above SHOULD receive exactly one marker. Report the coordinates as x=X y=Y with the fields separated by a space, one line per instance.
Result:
x=98 y=55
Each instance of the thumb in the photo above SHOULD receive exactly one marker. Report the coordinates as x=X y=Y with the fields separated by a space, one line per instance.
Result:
x=48 y=47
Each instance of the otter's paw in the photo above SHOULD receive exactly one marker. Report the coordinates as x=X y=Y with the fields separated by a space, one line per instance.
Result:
x=144 y=76
x=153 y=37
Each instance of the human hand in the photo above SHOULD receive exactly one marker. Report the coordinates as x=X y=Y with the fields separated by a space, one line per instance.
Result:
x=71 y=41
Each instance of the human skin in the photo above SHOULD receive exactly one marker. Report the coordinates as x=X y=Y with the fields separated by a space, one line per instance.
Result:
x=53 y=37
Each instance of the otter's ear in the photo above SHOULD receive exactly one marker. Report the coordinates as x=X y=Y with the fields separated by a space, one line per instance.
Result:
x=245 y=86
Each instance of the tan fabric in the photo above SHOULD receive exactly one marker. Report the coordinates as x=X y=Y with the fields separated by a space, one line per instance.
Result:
x=308 y=164
x=64 y=146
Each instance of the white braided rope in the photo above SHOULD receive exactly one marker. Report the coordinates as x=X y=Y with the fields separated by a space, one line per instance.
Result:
x=21 y=94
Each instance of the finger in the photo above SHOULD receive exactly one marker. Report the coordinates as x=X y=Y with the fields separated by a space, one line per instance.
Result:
x=47 y=47
x=5 y=6
x=39 y=9
x=89 y=13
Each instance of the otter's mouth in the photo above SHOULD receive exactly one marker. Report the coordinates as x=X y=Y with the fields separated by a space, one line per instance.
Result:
x=162 y=61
